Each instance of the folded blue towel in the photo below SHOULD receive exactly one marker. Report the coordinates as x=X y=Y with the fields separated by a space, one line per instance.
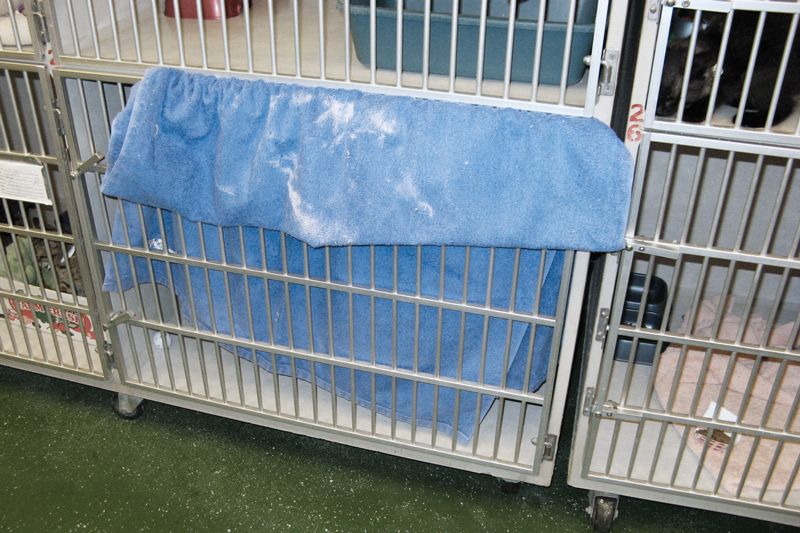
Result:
x=250 y=159
x=334 y=167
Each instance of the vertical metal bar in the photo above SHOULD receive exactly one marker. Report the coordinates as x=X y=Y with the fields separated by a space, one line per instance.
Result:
x=780 y=198
x=750 y=69
x=331 y=344
x=73 y=28
x=372 y=41
x=248 y=36
x=201 y=31
x=346 y=40
x=723 y=48
x=488 y=303
x=16 y=107
x=748 y=464
x=747 y=211
x=310 y=332
x=451 y=87
x=114 y=30
x=290 y=326
x=4 y=127
x=555 y=347
x=687 y=71
x=135 y=23
x=481 y=47
x=179 y=32
x=512 y=16
x=398 y=61
x=272 y=38
x=157 y=29
x=562 y=90
x=526 y=386
x=322 y=59
x=690 y=208
x=296 y=20
x=790 y=482
x=225 y=44
x=93 y=26
x=426 y=44
x=351 y=337
x=37 y=127
x=476 y=428
x=665 y=194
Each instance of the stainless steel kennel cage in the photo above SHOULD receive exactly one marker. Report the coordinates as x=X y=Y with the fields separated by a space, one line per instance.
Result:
x=690 y=391
x=87 y=53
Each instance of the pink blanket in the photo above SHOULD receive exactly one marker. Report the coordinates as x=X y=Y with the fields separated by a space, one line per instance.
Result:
x=768 y=379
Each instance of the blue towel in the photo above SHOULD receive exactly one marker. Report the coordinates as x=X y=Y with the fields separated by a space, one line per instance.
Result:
x=334 y=167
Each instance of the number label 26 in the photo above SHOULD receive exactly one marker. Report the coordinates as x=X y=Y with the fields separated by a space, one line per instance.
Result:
x=635 y=121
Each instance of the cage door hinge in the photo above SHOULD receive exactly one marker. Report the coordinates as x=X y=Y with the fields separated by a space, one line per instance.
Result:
x=549 y=446
x=602 y=324
x=61 y=130
x=42 y=30
x=608 y=72
x=607 y=409
x=654 y=10
x=108 y=353
x=607 y=83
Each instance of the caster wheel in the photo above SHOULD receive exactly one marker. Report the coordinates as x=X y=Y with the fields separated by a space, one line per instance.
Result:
x=604 y=511
x=123 y=409
x=509 y=487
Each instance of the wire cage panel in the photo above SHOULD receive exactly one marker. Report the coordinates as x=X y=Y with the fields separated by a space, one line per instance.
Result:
x=448 y=350
x=705 y=403
x=46 y=314
x=728 y=69
x=491 y=51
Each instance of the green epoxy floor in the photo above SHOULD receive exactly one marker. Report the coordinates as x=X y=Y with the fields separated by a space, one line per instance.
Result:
x=67 y=463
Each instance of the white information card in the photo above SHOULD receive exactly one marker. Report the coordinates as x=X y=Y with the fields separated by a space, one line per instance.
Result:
x=23 y=181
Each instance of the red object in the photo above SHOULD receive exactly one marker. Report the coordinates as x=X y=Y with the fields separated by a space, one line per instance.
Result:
x=212 y=9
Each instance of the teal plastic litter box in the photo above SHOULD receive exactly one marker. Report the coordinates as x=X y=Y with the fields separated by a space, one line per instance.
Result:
x=525 y=28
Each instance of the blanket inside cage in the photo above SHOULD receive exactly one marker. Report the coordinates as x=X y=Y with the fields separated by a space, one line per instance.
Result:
x=250 y=173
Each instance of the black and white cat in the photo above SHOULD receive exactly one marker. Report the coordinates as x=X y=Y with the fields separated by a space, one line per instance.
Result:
x=734 y=68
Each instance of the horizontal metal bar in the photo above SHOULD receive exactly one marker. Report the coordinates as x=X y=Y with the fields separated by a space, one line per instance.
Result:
x=628 y=414
x=129 y=72
x=48 y=303
x=218 y=338
x=37 y=234
x=27 y=67
x=767 y=511
x=29 y=364
x=760 y=6
x=277 y=276
x=707 y=344
x=99 y=75
x=707 y=5
x=673 y=251
x=363 y=439
x=16 y=55
x=740 y=140
x=41 y=159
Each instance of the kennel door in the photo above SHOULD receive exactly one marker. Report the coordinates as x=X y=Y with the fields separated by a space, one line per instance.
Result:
x=46 y=313
x=694 y=399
